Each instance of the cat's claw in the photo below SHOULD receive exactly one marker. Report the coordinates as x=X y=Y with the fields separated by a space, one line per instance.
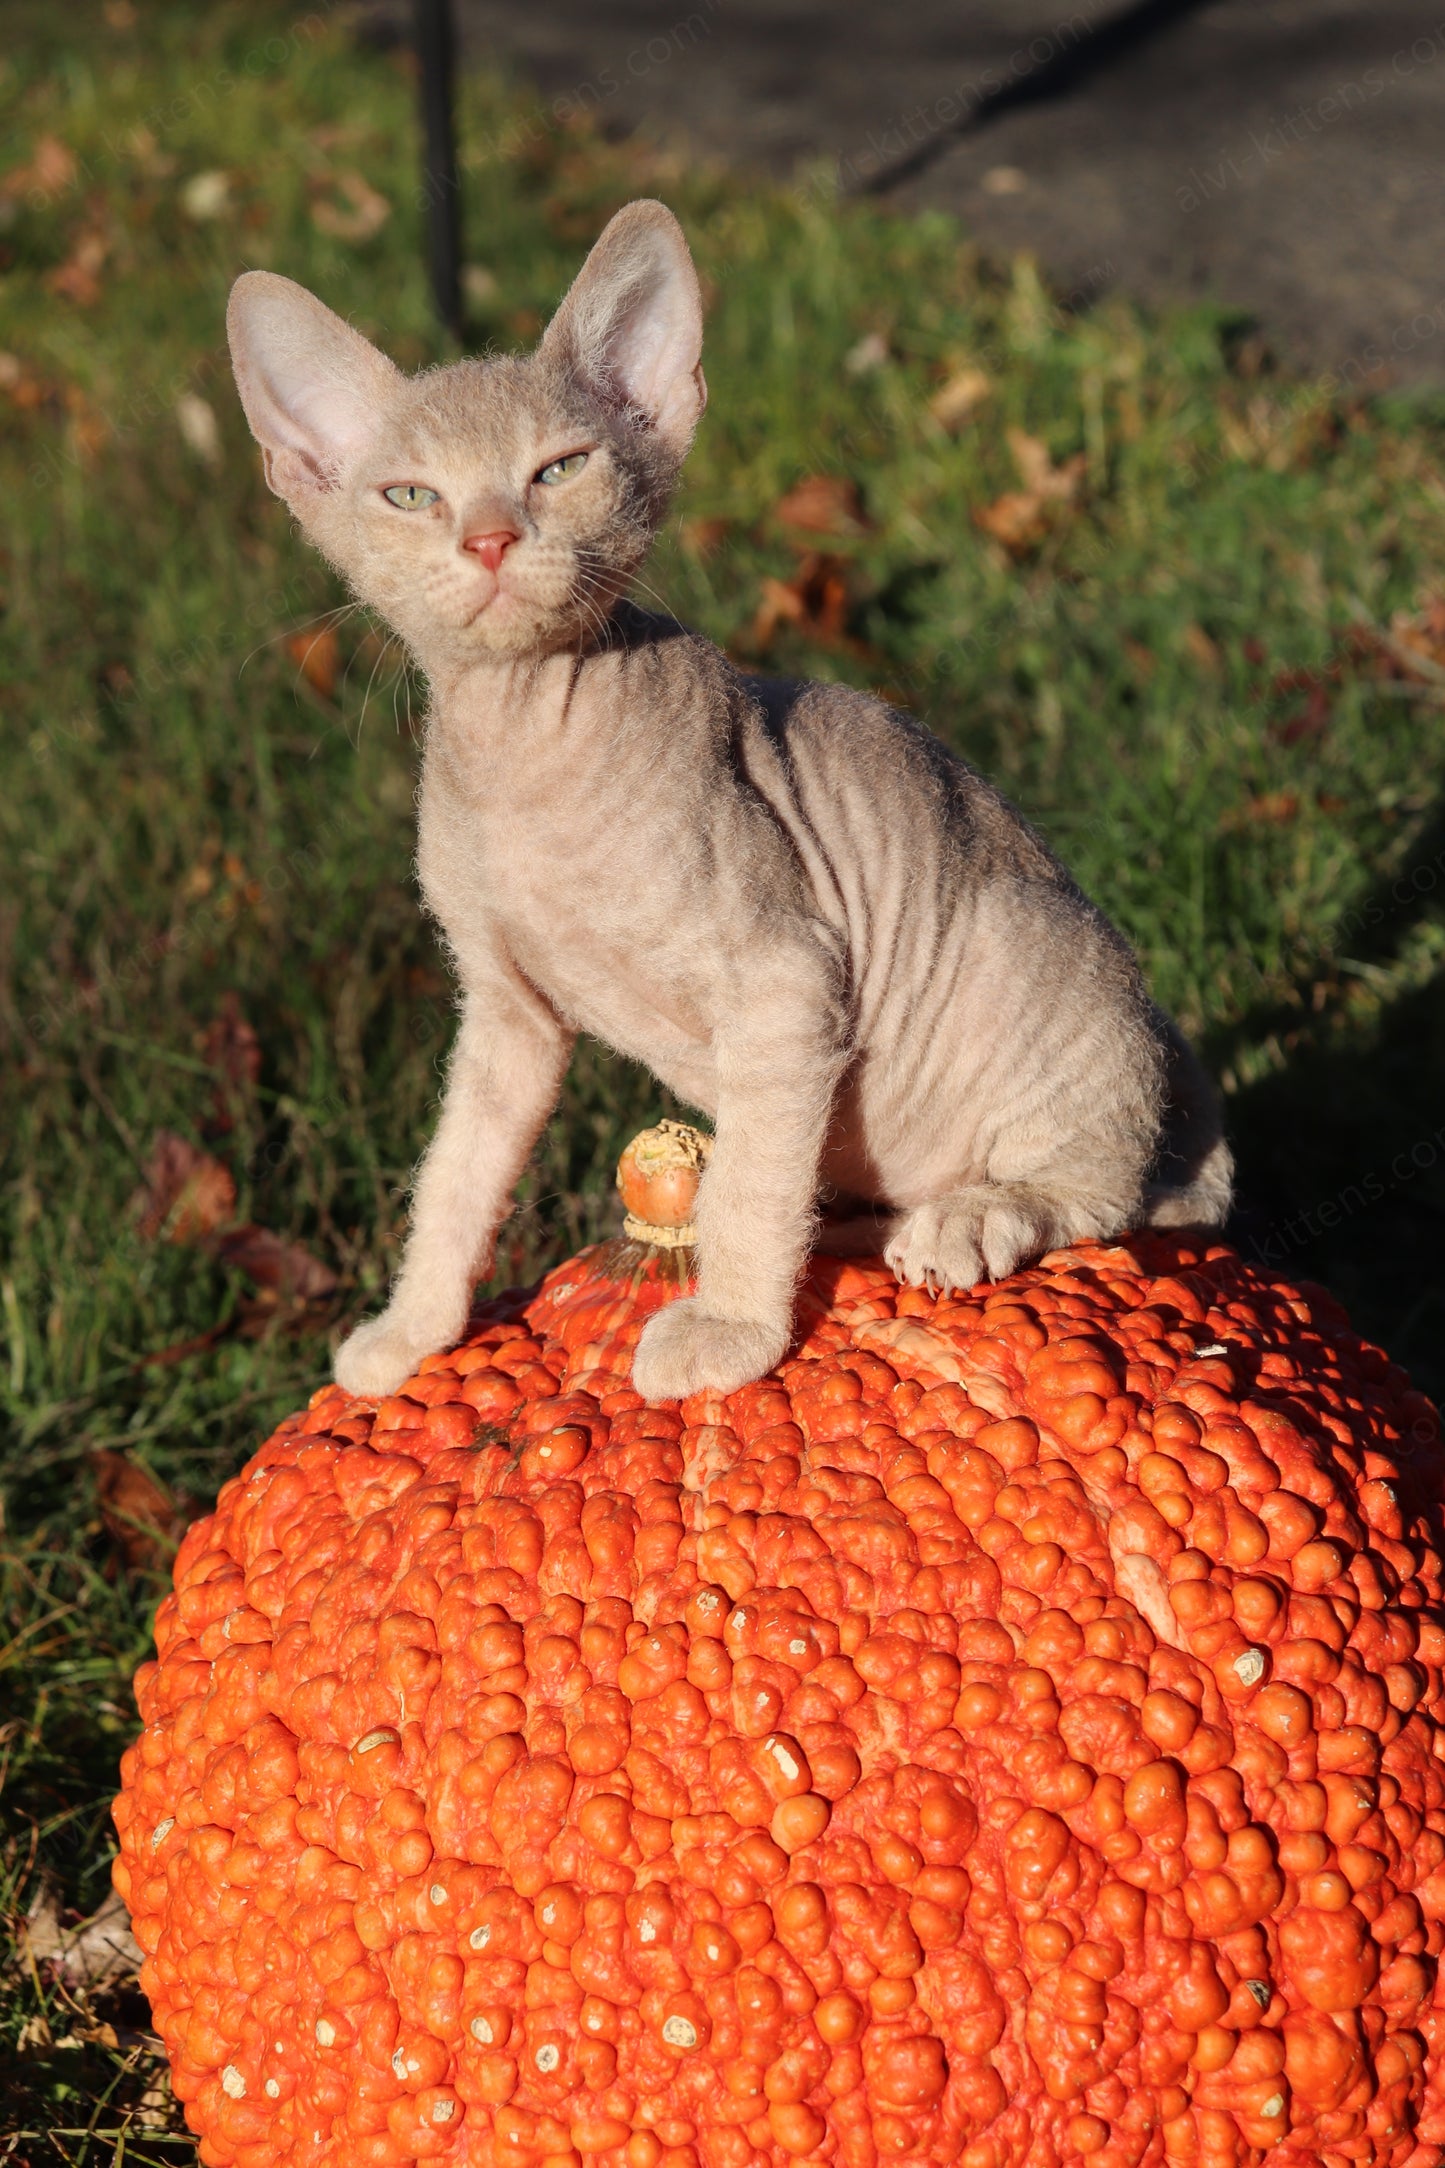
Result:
x=974 y=1235
x=382 y=1354
x=685 y=1348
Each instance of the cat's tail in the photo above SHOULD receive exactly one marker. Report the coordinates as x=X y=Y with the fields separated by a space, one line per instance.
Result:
x=1203 y=1201
x=1192 y=1179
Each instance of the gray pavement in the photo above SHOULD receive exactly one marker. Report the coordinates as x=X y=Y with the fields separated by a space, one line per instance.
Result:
x=1283 y=157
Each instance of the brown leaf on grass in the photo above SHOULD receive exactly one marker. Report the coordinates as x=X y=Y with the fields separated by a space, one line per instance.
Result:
x=89 y=429
x=1038 y=472
x=186 y=1194
x=814 y=602
x=1021 y=518
x=49 y=171
x=361 y=212
x=317 y=655
x=94 y=1954
x=161 y=1358
x=1200 y=648
x=703 y=537
x=1018 y=519
x=282 y=1268
x=1415 y=642
x=1310 y=721
x=78 y=278
x=231 y=1048
x=1143 y=658
x=20 y=384
x=230 y=1045
x=959 y=398
x=142 y=1519
x=824 y=504
x=1271 y=809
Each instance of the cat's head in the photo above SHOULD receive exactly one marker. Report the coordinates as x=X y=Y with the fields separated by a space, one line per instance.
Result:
x=488 y=508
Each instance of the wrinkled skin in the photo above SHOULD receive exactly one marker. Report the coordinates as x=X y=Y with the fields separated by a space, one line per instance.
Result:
x=1009 y=1735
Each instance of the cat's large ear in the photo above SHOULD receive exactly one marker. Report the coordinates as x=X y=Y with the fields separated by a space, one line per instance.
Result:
x=311 y=386
x=631 y=325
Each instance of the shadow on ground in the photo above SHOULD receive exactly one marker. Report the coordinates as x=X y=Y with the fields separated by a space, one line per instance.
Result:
x=1342 y=1153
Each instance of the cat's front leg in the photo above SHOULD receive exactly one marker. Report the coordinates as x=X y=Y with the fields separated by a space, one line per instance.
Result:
x=506 y=1071
x=779 y=1058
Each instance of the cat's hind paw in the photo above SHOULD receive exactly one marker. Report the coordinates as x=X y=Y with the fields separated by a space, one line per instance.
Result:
x=685 y=1348
x=972 y=1235
x=382 y=1354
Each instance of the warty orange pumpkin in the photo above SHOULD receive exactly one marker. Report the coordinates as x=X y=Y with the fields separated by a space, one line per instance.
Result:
x=1010 y=1735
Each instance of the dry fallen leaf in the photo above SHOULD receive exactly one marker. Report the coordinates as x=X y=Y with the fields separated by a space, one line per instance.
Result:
x=282 y=1267
x=231 y=1048
x=318 y=657
x=89 y=429
x=814 y=602
x=1037 y=470
x=19 y=382
x=362 y=211
x=49 y=171
x=142 y=1519
x=824 y=504
x=1416 y=640
x=93 y=1954
x=1022 y=517
x=1200 y=648
x=702 y=536
x=958 y=398
x=78 y=278
x=230 y=1045
x=1143 y=658
x=186 y=1194
x=1271 y=809
x=1018 y=519
x=1311 y=721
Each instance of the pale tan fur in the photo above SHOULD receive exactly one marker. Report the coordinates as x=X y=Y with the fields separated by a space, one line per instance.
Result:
x=809 y=918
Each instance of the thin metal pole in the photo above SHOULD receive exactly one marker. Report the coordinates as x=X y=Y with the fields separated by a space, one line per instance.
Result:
x=435 y=48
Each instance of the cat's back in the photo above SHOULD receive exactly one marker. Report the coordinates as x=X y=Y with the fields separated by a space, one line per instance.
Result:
x=872 y=789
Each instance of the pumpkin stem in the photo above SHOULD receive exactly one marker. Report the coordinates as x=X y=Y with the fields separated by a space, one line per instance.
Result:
x=658 y=1175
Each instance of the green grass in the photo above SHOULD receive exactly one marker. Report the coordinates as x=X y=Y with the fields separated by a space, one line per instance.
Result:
x=187 y=822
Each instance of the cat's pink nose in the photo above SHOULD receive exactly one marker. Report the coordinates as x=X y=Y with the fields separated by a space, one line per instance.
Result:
x=490 y=547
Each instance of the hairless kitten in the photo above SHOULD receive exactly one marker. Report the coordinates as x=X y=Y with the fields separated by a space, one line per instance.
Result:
x=805 y=914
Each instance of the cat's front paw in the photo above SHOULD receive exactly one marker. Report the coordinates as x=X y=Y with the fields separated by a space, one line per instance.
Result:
x=382 y=1354
x=685 y=1348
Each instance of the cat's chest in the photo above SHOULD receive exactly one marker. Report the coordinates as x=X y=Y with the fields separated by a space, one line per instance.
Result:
x=529 y=874
x=521 y=850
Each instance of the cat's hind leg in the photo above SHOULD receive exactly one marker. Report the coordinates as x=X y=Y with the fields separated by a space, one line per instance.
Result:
x=986 y=1231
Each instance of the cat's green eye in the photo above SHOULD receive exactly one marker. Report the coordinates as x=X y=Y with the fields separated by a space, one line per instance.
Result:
x=411 y=496
x=562 y=470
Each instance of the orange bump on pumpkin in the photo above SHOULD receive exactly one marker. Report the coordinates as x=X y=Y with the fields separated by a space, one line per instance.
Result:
x=1009 y=1735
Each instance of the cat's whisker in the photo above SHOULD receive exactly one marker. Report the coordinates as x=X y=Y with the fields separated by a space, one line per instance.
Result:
x=652 y=593
x=366 y=696
x=323 y=619
x=402 y=682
